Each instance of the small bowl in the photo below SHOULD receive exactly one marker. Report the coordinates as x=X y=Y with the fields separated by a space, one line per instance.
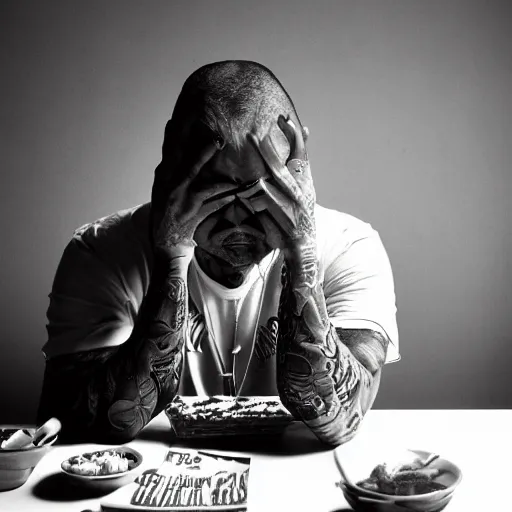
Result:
x=355 y=463
x=17 y=465
x=109 y=481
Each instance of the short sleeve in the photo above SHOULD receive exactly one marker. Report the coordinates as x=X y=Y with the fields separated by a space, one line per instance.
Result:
x=359 y=286
x=98 y=287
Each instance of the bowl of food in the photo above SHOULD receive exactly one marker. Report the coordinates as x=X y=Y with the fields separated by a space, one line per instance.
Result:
x=192 y=416
x=395 y=480
x=362 y=502
x=21 y=449
x=103 y=469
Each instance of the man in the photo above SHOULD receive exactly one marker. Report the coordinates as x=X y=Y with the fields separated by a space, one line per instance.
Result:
x=231 y=281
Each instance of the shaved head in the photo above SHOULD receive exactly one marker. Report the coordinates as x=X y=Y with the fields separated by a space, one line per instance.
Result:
x=232 y=98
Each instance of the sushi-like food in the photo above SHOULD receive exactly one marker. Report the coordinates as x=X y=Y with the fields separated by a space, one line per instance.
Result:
x=224 y=415
x=404 y=479
x=106 y=462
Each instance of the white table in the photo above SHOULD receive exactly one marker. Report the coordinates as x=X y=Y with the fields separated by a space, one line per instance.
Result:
x=298 y=474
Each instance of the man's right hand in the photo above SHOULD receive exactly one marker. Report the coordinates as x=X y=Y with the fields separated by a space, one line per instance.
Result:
x=178 y=201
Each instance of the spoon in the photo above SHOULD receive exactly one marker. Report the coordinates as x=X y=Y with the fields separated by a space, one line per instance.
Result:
x=47 y=433
x=341 y=470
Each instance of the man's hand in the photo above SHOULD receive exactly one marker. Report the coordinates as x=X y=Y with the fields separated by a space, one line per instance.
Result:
x=178 y=202
x=294 y=180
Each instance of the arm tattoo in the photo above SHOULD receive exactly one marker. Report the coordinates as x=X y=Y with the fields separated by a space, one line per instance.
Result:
x=326 y=377
x=305 y=268
x=113 y=393
x=306 y=274
x=172 y=319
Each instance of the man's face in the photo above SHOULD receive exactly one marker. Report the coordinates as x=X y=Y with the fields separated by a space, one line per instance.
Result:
x=234 y=234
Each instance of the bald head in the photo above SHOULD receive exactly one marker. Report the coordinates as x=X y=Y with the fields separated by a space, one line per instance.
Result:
x=233 y=98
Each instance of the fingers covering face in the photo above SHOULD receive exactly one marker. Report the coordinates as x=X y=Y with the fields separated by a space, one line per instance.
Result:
x=280 y=172
x=215 y=205
x=295 y=138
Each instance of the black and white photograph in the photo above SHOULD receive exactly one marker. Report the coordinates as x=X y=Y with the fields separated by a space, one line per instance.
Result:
x=274 y=234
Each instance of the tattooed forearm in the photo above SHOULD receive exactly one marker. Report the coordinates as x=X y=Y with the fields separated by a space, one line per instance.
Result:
x=171 y=319
x=301 y=254
x=305 y=273
x=326 y=378
x=113 y=394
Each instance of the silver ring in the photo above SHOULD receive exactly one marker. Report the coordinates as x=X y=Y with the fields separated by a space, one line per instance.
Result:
x=297 y=165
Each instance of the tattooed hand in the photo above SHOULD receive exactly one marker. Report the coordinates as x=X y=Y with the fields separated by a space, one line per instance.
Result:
x=295 y=182
x=179 y=200
x=298 y=205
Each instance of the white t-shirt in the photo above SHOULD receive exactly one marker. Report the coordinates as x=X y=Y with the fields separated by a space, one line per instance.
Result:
x=105 y=271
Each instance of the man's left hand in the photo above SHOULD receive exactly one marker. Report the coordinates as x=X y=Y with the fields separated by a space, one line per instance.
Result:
x=295 y=185
x=294 y=181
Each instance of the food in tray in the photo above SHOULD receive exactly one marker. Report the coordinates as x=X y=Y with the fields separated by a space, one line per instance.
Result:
x=100 y=463
x=404 y=479
x=224 y=415
x=220 y=407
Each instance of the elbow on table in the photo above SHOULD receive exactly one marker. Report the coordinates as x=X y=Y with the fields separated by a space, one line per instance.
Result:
x=337 y=430
x=337 y=436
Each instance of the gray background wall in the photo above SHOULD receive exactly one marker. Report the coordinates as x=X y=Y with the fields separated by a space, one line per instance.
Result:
x=410 y=116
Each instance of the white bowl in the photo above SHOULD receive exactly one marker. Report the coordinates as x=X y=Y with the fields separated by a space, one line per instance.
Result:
x=356 y=461
x=109 y=481
x=17 y=465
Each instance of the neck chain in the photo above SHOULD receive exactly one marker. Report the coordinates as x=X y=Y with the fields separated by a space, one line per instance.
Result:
x=229 y=388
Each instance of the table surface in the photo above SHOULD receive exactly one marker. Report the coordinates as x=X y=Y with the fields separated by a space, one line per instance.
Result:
x=296 y=473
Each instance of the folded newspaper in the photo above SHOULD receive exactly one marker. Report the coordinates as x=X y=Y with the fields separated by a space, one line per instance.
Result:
x=188 y=480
